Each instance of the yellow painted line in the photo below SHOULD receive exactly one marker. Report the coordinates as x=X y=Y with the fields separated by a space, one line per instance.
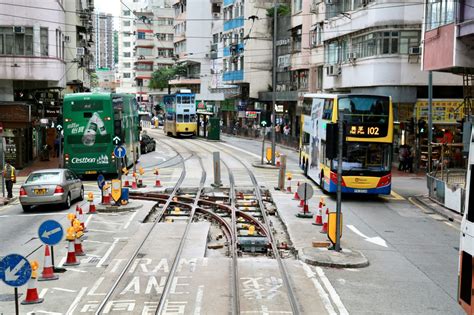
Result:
x=396 y=196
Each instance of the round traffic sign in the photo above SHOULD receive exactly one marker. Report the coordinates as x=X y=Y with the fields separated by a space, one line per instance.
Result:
x=50 y=232
x=120 y=151
x=15 y=270
x=305 y=191
x=100 y=181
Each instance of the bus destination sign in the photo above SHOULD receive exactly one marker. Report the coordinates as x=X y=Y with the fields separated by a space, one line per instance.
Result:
x=364 y=130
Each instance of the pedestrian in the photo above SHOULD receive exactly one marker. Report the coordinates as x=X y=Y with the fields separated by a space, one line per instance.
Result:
x=401 y=157
x=10 y=178
x=409 y=159
x=56 y=146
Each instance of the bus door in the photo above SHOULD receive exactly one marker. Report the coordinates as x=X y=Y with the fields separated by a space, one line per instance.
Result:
x=466 y=263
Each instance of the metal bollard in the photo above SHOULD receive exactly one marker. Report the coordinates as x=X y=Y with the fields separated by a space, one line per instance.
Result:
x=217 y=169
x=282 y=173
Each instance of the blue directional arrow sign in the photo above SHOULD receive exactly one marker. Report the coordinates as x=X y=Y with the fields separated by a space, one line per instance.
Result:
x=101 y=180
x=120 y=151
x=15 y=270
x=50 y=232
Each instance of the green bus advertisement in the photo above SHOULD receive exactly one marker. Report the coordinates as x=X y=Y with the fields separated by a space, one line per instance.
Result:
x=91 y=122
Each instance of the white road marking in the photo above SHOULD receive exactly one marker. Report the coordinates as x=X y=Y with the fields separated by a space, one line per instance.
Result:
x=159 y=158
x=242 y=150
x=199 y=295
x=322 y=294
x=76 y=301
x=129 y=221
x=76 y=270
x=99 y=242
x=377 y=240
x=88 y=220
x=43 y=293
x=43 y=312
x=332 y=292
x=28 y=215
x=62 y=261
x=103 y=231
x=95 y=287
x=109 y=251
x=65 y=290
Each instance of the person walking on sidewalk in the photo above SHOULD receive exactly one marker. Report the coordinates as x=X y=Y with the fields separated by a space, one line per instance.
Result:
x=10 y=178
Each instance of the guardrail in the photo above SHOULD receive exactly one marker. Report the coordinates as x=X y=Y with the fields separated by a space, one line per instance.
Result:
x=447 y=188
x=290 y=141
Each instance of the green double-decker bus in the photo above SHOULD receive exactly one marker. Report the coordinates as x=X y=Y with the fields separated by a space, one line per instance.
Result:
x=91 y=122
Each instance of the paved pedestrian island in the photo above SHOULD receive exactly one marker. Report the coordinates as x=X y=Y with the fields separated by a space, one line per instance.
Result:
x=346 y=258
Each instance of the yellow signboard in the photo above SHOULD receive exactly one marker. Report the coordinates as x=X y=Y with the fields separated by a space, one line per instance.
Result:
x=268 y=154
x=447 y=111
x=332 y=227
x=116 y=189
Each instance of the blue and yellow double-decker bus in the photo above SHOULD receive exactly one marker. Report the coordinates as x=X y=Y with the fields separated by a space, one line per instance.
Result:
x=367 y=158
x=180 y=113
x=91 y=122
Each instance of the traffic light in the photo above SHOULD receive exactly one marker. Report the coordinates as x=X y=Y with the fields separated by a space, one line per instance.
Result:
x=422 y=128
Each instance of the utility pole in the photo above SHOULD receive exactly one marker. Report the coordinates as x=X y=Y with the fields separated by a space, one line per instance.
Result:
x=430 y=118
x=340 y=152
x=275 y=15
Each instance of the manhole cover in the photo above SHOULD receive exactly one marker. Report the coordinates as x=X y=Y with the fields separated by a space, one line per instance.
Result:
x=141 y=255
x=8 y=297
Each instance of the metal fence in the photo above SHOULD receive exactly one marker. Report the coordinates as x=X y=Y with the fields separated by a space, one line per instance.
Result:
x=447 y=188
x=280 y=138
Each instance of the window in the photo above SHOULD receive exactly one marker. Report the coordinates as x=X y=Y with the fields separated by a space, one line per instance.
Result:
x=439 y=13
x=297 y=5
x=319 y=83
x=141 y=35
x=44 y=41
x=126 y=44
x=316 y=36
x=126 y=12
x=327 y=109
x=241 y=63
x=296 y=39
x=18 y=42
x=126 y=23
x=126 y=75
x=126 y=54
x=387 y=42
x=126 y=65
x=144 y=67
x=144 y=51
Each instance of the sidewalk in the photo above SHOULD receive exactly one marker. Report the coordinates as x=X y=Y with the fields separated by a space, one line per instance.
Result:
x=38 y=165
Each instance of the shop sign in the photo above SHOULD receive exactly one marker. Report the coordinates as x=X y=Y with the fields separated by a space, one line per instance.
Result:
x=51 y=112
x=242 y=106
x=279 y=108
x=447 y=111
x=15 y=113
x=202 y=107
x=228 y=106
x=251 y=114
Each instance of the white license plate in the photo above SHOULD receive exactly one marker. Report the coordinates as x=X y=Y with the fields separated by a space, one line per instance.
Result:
x=361 y=191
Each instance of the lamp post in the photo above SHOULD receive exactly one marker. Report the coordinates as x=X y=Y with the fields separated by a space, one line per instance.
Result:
x=275 y=15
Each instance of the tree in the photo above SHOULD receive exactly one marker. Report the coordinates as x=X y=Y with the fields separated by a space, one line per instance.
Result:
x=161 y=77
x=94 y=80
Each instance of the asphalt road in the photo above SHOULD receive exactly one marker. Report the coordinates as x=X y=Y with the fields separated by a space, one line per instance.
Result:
x=412 y=252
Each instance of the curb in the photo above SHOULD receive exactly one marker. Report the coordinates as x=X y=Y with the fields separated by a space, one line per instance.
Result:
x=441 y=210
x=324 y=257
x=266 y=166
x=116 y=209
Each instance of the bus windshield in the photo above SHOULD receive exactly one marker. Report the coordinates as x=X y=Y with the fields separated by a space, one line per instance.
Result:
x=365 y=109
x=366 y=156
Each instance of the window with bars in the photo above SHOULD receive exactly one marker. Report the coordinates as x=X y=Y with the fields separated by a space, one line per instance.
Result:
x=439 y=13
x=384 y=43
x=44 y=36
x=18 y=43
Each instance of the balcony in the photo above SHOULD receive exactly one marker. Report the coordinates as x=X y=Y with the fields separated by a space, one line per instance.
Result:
x=234 y=23
x=143 y=74
x=238 y=48
x=233 y=75
x=145 y=42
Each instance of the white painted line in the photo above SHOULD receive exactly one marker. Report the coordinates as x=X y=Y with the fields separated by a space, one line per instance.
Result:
x=43 y=312
x=62 y=261
x=199 y=295
x=76 y=270
x=332 y=292
x=99 y=242
x=103 y=231
x=43 y=293
x=242 y=150
x=65 y=290
x=129 y=221
x=377 y=240
x=28 y=215
x=76 y=301
x=95 y=287
x=107 y=254
x=88 y=220
x=322 y=294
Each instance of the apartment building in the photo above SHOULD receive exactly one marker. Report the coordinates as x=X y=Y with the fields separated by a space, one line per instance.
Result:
x=39 y=61
x=104 y=42
x=145 y=45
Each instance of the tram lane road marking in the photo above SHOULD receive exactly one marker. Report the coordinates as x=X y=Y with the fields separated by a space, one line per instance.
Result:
x=76 y=301
x=377 y=240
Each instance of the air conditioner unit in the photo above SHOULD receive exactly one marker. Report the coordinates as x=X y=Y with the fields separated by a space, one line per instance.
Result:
x=67 y=38
x=216 y=14
x=19 y=29
x=333 y=70
x=414 y=51
x=352 y=55
x=80 y=51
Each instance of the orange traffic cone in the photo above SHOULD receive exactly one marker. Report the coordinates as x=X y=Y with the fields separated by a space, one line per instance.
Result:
x=71 y=255
x=319 y=218
x=325 y=224
x=48 y=269
x=78 y=247
x=297 y=197
x=157 y=181
x=32 y=296
x=301 y=205
x=288 y=188
x=81 y=219
x=134 y=181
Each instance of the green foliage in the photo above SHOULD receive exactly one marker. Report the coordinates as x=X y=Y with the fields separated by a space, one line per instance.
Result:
x=159 y=78
x=94 y=80
x=283 y=10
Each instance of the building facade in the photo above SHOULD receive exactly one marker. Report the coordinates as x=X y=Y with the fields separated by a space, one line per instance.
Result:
x=104 y=41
